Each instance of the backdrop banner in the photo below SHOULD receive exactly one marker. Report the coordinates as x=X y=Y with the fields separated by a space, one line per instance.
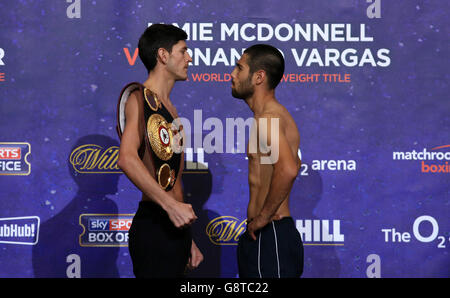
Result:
x=366 y=82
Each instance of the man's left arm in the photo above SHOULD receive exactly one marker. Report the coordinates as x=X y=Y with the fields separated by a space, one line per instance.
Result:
x=285 y=170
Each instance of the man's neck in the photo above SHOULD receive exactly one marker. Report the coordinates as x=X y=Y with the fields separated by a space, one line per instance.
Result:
x=259 y=99
x=160 y=83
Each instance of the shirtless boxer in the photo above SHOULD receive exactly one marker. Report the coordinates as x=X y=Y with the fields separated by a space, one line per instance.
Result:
x=271 y=245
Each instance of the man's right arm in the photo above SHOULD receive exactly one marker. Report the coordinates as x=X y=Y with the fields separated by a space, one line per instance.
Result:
x=180 y=214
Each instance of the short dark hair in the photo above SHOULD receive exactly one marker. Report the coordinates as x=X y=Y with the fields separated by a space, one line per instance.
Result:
x=267 y=58
x=158 y=36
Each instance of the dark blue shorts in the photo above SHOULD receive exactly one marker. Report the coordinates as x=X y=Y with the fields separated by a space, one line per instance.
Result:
x=276 y=252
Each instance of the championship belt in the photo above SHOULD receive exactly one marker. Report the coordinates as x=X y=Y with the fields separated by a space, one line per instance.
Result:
x=159 y=134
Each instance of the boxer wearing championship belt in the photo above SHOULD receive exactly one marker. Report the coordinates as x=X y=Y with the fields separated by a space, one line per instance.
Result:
x=160 y=241
x=159 y=134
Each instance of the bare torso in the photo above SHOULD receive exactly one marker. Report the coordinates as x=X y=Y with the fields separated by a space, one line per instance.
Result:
x=260 y=175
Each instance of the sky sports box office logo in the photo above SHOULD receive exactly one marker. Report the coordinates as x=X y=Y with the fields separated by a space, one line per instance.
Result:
x=19 y=230
x=105 y=230
x=13 y=158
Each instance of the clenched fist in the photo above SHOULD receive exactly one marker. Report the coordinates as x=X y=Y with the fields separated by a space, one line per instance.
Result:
x=181 y=214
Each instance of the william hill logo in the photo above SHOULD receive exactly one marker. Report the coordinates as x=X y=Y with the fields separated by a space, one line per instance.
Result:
x=225 y=230
x=94 y=159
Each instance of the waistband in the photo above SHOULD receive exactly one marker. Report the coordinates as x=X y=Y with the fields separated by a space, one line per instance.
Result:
x=287 y=220
x=284 y=223
x=150 y=209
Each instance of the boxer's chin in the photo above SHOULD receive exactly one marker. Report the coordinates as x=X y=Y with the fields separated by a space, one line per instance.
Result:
x=241 y=95
x=236 y=94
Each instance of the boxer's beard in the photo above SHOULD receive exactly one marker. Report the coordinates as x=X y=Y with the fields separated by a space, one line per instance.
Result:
x=245 y=91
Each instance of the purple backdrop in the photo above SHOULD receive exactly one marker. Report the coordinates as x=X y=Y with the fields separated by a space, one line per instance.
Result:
x=371 y=199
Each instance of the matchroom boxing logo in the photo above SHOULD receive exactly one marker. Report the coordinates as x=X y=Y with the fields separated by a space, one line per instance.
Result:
x=13 y=159
x=432 y=161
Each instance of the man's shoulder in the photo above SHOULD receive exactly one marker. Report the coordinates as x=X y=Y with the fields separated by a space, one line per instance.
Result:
x=272 y=111
x=276 y=112
x=132 y=99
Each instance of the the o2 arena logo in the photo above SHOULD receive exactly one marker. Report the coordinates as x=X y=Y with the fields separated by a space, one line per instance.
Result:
x=13 y=158
x=434 y=160
x=94 y=159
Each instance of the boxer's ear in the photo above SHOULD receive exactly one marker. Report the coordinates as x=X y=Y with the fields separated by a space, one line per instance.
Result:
x=259 y=77
x=162 y=55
